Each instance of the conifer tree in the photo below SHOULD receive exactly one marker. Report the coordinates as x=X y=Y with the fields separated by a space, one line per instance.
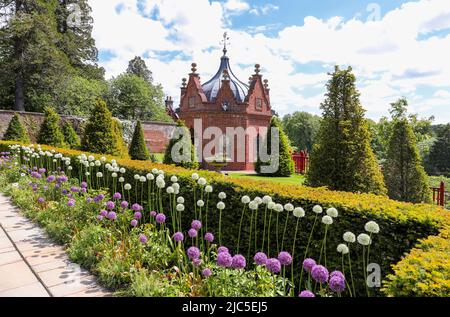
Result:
x=342 y=158
x=16 y=131
x=50 y=132
x=183 y=141
x=138 y=147
x=285 y=163
x=439 y=158
x=71 y=138
x=405 y=176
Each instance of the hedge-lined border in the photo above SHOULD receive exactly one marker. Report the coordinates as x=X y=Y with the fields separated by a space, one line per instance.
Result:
x=421 y=258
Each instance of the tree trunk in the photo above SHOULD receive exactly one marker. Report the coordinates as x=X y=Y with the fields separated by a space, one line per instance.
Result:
x=19 y=99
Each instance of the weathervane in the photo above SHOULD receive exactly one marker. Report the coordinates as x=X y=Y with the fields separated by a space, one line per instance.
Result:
x=225 y=42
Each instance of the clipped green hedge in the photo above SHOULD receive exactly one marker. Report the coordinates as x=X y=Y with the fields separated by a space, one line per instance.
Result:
x=402 y=224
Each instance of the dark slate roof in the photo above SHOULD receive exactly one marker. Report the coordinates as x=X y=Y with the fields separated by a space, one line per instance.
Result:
x=211 y=88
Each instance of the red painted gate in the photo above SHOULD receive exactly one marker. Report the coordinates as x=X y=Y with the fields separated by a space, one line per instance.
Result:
x=301 y=161
x=439 y=194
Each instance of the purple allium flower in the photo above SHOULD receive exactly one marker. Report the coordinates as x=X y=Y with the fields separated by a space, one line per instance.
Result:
x=224 y=259
x=192 y=233
x=134 y=223
x=260 y=258
x=285 y=258
x=83 y=190
x=83 y=185
x=334 y=273
x=152 y=214
x=89 y=200
x=197 y=262
x=209 y=237
x=308 y=264
x=136 y=207
x=306 y=293
x=51 y=179
x=69 y=196
x=110 y=205
x=206 y=272
x=98 y=198
x=238 y=262
x=124 y=204
x=143 y=239
x=71 y=202
x=337 y=283
x=117 y=196
x=42 y=170
x=273 y=265
x=64 y=191
x=112 y=215
x=138 y=215
x=58 y=185
x=223 y=249
x=74 y=189
x=196 y=224
x=41 y=200
x=178 y=237
x=319 y=273
x=160 y=218
x=99 y=217
x=103 y=213
x=193 y=253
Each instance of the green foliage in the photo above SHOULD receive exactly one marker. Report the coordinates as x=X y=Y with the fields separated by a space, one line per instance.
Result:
x=138 y=147
x=131 y=97
x=122 y=147
x=186 y=150
x=439 y=160
x=102 y=133
x=71 y=138
x=138 y=67
x=50 y=132
x=302 y=129
x=405 y=176
x=16 y=131
x=342 y=157
x=285 y=163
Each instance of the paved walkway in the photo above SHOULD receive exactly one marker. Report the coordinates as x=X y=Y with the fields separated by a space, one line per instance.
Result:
x=31 y=265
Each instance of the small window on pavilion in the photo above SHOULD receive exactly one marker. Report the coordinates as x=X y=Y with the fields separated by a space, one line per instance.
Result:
x=259 y=104
x=192 y=101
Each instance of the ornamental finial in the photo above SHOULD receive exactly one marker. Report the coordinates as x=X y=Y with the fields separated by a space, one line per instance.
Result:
x=225 y=41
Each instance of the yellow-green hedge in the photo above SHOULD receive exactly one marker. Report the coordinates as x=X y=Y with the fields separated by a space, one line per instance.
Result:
x=423 y=271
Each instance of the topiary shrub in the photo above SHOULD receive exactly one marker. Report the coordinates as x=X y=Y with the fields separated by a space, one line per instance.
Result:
x=138 y=149
x=183 y=141
x=286 y=164
x=50 y=132
x=71 y=138
x=16 y=131
x=122 y=148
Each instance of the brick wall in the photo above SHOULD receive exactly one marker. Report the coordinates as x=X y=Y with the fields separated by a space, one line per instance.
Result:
x=157 y=134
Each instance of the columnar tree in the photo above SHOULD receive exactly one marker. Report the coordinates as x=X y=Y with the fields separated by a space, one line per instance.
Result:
x=138 y=148
x=16 y=131
x=439 y=159
x=285 y=163
x=342 y=157
x=71 y=138
x=50 y=132
x=405 y=176
x=138 y=67
x=185 y=150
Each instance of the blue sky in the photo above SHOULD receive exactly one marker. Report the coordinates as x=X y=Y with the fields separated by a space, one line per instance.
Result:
x=396 y=48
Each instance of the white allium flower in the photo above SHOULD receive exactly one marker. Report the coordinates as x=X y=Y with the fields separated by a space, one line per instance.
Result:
x=194 y=176
x=67 y=162
x=155 y=171
x=245 y=199
x=161 y=172
x=180 y=200
x=332 y=212
x=142 y=179
x=208 y=189
x=180 y=207
x=121 y=179
x=299 y=212
x=349 y=237
x=91 y=158
x=289 y=207
x=99 y=174
x=170 y=190
x=221 y=205
x=372 y=227
x=253 y=205
x=201 y=181
x=176 y=191
x=174 y=179
x=327 y=220
x=222 y=195
x=103 y=159
x=70 y=168
x=127 y=186
x=200 y=203
x=278 y=207
x=113 y=162
x=271 y=205
x=107 y=166
x=122 y=170
x=176 y=186
x=363 y=239
x=136 y=176
x=160 y=183
x=317 y=209
x=258 y=200
x=87 y=173
x=342 y=248
x=150 y=176
x=54 y=161
x=22 y=174
x=97 y=163
x=114 y=175
x=267 y=199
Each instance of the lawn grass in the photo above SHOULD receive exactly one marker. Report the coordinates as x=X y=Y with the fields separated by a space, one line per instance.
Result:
x=159 y=157
x=295 y=179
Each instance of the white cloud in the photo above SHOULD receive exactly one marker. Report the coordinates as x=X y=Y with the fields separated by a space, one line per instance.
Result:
x=236 y=6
